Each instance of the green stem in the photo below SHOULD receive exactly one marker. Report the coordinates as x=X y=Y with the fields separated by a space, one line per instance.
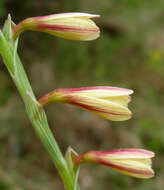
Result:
x=35 y=112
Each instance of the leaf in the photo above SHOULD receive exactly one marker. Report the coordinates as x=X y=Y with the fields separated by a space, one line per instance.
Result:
x=7 y=29
x=74 y=170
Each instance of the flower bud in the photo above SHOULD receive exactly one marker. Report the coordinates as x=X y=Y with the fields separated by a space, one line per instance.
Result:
x=72 y=26
x=132 y=162
x=104 y=101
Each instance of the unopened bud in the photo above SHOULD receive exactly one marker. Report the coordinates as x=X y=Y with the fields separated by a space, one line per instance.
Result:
x=132 y=162
x=72 y=26
x=104 y=101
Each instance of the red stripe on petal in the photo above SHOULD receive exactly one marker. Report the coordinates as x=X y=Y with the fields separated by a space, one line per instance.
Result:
x=66 y=15
x=95 y=88
x=93 y=108
x=129 y=170
x=125 y=151
x=65 y=28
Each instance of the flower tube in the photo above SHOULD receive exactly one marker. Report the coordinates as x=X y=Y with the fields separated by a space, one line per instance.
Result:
x=107 y=102
x=72 y=26
x=132 y=162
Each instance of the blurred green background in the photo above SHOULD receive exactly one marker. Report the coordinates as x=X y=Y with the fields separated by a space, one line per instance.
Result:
x=129 y=53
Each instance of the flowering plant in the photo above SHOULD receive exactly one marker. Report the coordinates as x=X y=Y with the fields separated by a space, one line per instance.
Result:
x=107 y=102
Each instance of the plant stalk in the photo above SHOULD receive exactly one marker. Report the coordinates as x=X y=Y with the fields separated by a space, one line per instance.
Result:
x=35 y=112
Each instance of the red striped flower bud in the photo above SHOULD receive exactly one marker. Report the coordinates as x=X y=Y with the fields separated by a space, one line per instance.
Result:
x=132 y=162
x=107 y=102
x=72 y=26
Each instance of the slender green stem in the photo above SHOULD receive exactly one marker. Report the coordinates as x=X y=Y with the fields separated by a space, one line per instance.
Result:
x=35 y=112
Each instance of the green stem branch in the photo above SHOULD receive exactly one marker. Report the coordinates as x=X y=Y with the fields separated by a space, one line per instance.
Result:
x=35 y=112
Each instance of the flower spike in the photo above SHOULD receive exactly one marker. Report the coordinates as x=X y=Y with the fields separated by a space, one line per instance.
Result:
x=72 y=26
x=107 y=102
x=132 y=162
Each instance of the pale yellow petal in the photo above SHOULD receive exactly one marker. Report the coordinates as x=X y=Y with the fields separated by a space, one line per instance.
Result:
x=103 y=108
x=105 y=93
x=68 y=15
x=122 y=100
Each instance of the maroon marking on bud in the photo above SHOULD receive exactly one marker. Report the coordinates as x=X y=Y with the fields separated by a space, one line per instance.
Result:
x=72 y=100
x=44 y=100
x=65 y=28
x=122 y=168
x=65 y=15
x=94 y=88
x=77 y=160
x=142 y=152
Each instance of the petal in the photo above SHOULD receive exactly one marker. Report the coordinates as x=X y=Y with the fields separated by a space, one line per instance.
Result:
x=127 y=153
x=136 y=168
x=122 y=100
x=103 y=108
x=67 y=15
x=101 y=91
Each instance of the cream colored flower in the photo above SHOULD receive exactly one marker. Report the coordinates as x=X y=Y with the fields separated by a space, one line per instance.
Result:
x=72 y=26
x=132 y=162
x=104 y=101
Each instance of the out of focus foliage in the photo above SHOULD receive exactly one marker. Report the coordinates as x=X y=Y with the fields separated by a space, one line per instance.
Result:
x=129 y=53
x=2 y=7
